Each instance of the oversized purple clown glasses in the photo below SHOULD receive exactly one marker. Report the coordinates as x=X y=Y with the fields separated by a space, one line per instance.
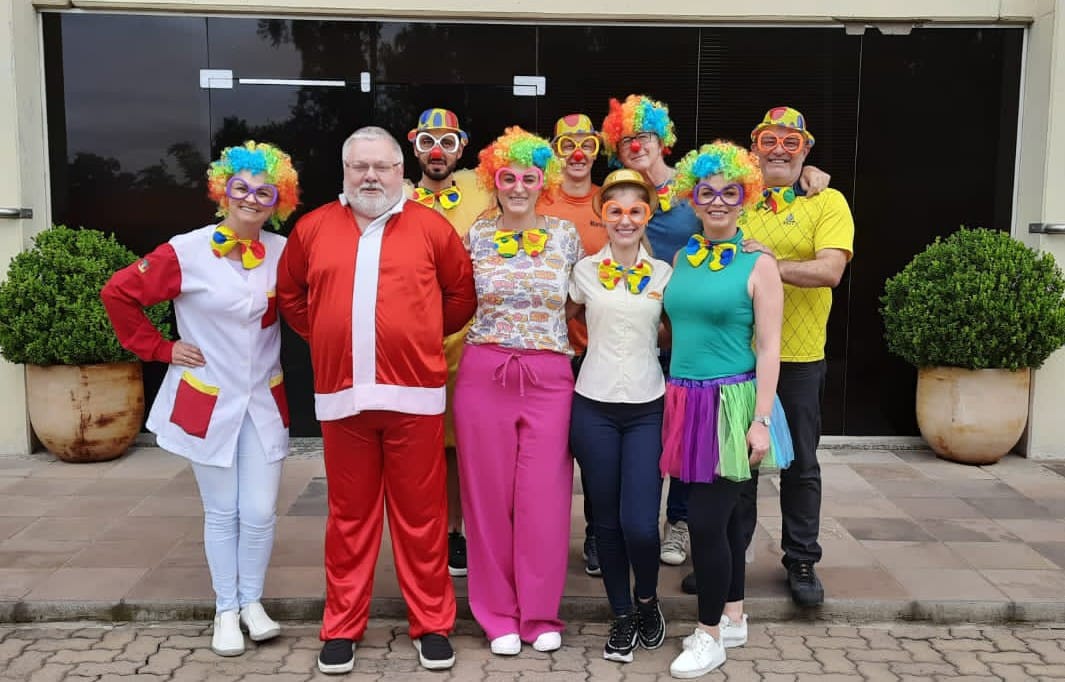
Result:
x=238 y=189
x=730 y=195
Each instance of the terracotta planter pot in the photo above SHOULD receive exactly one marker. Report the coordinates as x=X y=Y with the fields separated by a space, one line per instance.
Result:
x=972 y=416
x=86 y=413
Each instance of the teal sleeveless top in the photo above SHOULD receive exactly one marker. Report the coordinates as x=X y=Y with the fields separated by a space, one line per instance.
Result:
x=712 y=316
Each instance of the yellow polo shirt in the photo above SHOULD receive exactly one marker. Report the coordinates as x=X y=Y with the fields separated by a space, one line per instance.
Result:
x=797 y=233
x=475 y=200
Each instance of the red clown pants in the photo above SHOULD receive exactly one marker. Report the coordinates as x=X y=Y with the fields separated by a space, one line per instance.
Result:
x=372 y=459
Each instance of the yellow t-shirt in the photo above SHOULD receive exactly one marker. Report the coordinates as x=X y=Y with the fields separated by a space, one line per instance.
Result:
x=797 y=233
x=475 y=200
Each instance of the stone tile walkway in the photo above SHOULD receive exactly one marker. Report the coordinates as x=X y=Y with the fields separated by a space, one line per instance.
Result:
x=905 y=536
x=774 y=653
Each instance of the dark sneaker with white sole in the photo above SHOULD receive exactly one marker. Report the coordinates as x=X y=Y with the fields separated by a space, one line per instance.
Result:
x=591 y=557
x=456 y=554
x=622 y=639
x=337 y=656
x=434 y=652
x=652 y=625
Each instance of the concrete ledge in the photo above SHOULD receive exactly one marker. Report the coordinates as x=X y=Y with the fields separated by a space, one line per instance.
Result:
x=767 y=609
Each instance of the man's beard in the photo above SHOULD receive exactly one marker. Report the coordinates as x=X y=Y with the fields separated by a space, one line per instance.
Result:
x=437 y=174
x=371 y=207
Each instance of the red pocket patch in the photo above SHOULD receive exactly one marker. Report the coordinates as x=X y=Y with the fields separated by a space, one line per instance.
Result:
x=194 y=405
x=270 y=316
x=277 y=389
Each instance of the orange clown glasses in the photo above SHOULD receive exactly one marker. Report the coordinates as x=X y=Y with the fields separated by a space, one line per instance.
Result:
x=767 y=141
x=531 y=178
x=639 y=213
x=449 y=142
x=566 y=145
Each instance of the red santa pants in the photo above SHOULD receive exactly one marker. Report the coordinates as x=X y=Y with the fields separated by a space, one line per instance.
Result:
x=372 y=459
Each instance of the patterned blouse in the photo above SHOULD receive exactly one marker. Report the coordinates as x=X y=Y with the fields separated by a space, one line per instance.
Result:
x=521 y=300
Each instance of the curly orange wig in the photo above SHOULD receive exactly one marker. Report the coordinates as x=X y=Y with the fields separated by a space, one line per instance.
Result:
x=255 y=157
x=518 y=146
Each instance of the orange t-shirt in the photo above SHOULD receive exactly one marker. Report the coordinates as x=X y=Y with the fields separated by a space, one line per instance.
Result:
x=577 y=210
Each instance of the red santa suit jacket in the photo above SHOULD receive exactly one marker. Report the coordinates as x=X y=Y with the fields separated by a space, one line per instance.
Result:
x=375 y=305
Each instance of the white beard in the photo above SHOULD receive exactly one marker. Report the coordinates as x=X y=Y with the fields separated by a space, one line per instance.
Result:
x=369 y=206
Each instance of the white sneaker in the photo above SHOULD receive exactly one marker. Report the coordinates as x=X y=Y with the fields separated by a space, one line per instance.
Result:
x=548 y=641
x=260 y=626
x=227 y=639
x=702 y=653
x=675 y=545
x=507 y=645
x=733 y=634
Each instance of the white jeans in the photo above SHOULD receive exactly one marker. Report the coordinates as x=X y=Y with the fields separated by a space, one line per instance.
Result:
x=239 y=515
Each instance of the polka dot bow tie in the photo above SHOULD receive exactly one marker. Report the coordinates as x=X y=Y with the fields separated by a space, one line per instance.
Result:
x=252 y=251
x=509 y=242
x=720 y=254
x=449 y=197
x=636 y=278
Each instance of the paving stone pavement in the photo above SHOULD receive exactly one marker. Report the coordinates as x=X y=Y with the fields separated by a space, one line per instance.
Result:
x=825 y=652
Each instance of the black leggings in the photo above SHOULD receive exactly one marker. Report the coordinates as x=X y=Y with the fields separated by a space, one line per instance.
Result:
x=718 y=545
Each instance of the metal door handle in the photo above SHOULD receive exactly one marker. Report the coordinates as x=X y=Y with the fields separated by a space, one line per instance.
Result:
x=1046 y=228
x=16 y=213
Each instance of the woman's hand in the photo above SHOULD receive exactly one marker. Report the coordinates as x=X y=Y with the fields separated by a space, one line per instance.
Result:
x=757 y=442
x=186 y=355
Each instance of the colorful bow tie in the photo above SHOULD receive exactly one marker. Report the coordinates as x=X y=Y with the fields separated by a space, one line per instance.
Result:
x=449 y=197
x=636 y=277
x=252 y=251
x=699 y=247
x=665 y=196
x=776 y=199
x=508 y=242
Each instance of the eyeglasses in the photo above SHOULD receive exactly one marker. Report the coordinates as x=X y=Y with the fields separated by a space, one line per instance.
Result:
x=238 y=189
x=767 y=141
x=566 y=145
x=531 y=178
x=642 y=138
x=359 y=168
x=424 y=142
x=730 y=195
x=638 y=214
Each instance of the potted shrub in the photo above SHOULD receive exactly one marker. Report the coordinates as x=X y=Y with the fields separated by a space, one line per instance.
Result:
x=84 y=391
x=974 y=313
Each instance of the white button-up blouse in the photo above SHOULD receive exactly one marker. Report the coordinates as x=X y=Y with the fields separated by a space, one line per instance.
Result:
x=621 y=363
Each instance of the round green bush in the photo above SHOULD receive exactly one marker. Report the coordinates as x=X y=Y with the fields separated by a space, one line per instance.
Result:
x=50 y=309
x=978 y=299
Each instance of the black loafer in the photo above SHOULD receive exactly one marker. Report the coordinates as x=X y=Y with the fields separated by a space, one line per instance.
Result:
x=434 y=652
x=337 y=657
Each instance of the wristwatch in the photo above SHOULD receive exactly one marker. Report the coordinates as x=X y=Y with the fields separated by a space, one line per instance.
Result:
x=763 y=419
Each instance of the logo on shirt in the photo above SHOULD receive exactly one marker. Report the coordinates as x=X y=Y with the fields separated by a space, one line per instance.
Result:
x=143 y=265
x=790 y=220
x=654 y=295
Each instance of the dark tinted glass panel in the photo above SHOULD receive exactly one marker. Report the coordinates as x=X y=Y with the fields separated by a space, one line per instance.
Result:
x=936 y=149
x=743 y=73
x=586 y=66
x=454 y=54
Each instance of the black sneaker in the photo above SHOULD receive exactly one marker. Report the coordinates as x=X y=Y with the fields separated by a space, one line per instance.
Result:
x=337 y=657
x=806 y=588
x=688 y=586
x=622 y=638
x=591 y=557
x=434 y=652
x=456 y=554
x=652 y=625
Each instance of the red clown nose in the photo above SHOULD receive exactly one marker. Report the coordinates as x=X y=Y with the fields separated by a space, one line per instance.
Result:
x=436 y=154
x=578 y=156
x=634 y=146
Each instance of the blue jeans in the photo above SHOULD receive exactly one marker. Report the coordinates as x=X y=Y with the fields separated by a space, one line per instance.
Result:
x=617 y=446
x=239 y=504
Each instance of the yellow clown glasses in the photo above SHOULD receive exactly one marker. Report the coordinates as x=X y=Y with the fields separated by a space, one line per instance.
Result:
x=767 y=141
x=566 y=145
x=639 y=213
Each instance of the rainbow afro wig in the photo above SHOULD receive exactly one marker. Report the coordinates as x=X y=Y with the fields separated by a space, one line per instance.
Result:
x=735 y=163
x=637 y=114
x=256 y=158
x=519 y=147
